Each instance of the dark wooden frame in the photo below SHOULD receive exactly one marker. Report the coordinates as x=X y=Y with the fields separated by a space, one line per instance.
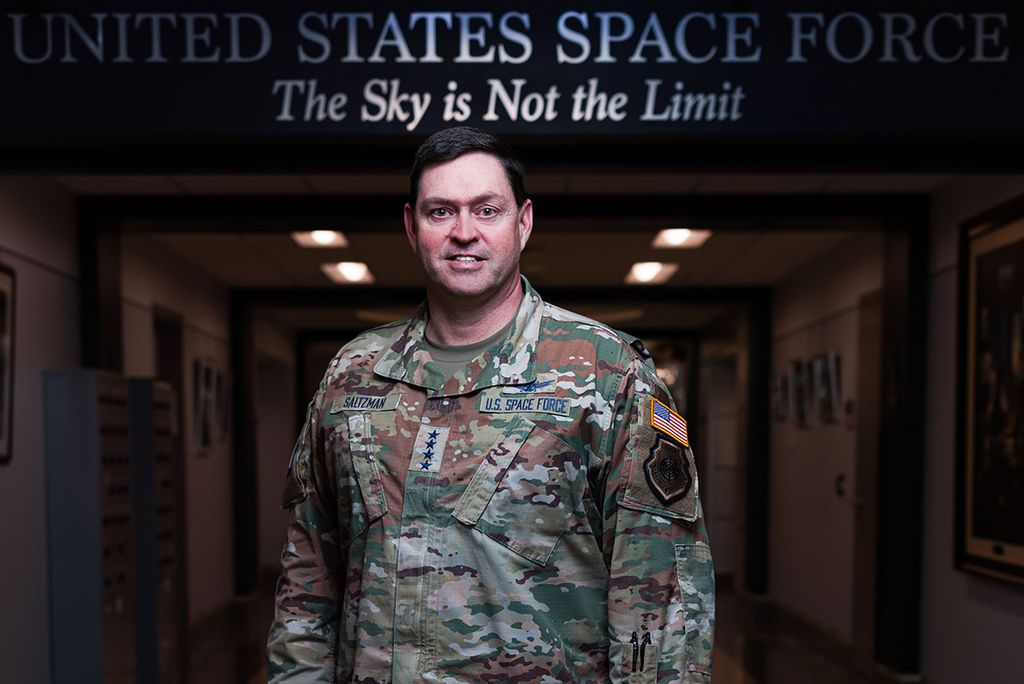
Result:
x=7 y=377
x=1000 y=558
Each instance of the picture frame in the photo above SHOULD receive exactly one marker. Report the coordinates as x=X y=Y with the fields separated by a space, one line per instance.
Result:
x=780 y=398
x=7 y=321
x=828 y=391
x=989 y=519
x=800 y=393
x=204 y=404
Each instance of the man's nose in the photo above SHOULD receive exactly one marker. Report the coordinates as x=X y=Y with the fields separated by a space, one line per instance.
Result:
x=463 y=228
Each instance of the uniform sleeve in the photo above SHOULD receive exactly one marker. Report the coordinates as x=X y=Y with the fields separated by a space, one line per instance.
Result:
x=303 y=636
x=661 y=594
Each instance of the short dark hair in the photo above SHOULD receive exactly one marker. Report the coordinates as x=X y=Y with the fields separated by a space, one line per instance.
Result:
x=452 y=143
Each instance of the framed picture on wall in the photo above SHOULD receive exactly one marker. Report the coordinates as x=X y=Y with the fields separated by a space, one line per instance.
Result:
x=204 y=397
x=990 y=411
x=6 y=364
x=827 y=387
x=780 y=398
x=800 y=393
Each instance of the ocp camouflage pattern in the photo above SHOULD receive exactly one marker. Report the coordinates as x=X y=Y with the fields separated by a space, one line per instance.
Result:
x=496 y=526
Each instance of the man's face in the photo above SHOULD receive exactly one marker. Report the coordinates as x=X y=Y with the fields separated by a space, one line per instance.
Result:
x=466 y=228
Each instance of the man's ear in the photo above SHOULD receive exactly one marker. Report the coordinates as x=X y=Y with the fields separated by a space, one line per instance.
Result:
x=410 y=226
x=525 y=225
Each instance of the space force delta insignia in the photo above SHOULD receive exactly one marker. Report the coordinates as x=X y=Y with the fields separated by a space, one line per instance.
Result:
x=663 y=476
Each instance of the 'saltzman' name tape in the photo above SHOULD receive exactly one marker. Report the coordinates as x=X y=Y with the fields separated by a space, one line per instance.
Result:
x=529 y=404
x=364 y=402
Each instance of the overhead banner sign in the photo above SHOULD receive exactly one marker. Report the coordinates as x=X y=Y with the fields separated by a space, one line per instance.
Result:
x=153 y=70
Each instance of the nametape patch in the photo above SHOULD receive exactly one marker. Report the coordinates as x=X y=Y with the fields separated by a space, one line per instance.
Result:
x=544 y=384
x=365 y=402
x=525 y=404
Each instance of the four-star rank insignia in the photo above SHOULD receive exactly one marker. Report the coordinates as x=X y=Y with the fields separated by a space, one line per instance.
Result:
x=428 y=450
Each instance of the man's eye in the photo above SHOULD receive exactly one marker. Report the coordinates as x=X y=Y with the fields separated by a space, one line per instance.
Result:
x=488 y=212
x=439 y=212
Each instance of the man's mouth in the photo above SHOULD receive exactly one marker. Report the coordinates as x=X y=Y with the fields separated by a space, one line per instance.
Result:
x=465 y=258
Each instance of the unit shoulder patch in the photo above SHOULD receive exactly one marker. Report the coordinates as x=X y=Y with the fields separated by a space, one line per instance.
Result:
x=667 y=471
x=662 y=473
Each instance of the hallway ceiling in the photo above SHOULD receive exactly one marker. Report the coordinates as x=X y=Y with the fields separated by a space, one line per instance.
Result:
x=594 y=259
x=563 y=252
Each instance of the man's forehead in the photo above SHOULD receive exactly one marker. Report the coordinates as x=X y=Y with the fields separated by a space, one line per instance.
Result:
x=469 y=176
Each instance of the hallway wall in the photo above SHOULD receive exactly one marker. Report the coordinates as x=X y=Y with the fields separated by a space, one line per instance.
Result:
x=811 y=537
x=971 y=625
x=277 y=430
x=720 y=490
x=153 y=277
x=37 y=241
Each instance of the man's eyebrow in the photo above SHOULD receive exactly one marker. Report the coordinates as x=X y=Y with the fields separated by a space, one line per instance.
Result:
x=484 y=197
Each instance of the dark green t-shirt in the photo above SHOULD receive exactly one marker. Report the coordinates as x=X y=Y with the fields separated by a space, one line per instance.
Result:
x=450 y=358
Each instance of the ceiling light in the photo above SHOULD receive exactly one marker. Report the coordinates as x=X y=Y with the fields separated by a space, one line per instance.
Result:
x=680 y=238
x=348 y=272
x=320 y=238
x=650 y=273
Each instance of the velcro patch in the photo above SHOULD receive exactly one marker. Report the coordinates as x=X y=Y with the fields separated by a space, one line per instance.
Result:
x=489 y=403
x=667 y=471
x=669 y=422
x=545 y=383
x=428 y=451
x=357 y=401
x=662 y=471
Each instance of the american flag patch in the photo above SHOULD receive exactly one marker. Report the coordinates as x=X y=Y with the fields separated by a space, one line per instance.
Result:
x=668 y=421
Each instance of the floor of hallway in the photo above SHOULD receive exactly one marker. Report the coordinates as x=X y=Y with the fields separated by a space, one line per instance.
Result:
x=229 y=648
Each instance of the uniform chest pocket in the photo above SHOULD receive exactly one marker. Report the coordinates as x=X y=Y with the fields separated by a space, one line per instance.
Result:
x=524 y=491
x=362 y=482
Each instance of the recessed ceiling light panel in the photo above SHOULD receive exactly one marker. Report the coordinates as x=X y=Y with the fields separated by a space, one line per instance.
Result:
x=680 y=238
x=650 y=273
x=320 y=238
x=348 y=273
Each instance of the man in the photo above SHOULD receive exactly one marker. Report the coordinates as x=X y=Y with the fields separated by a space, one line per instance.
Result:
x=495 y=489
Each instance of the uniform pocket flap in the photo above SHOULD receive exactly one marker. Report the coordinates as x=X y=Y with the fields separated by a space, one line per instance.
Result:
x=481 y=488
x=525 y=492
x=364 y=463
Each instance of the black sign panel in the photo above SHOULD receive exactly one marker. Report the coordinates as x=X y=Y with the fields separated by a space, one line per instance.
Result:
x=175 y=70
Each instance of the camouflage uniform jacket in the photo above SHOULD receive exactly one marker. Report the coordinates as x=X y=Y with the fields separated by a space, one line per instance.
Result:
x=521 y=521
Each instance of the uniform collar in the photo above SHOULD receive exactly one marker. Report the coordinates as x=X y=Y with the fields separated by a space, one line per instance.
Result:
x=510 y=361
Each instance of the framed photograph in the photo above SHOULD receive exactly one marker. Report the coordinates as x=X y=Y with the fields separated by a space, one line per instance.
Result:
x=204 y=396
x=800 y=393
x=780 y=398
x=223 y=402
x=828 y=391
x=6 y=364
x=990 y=454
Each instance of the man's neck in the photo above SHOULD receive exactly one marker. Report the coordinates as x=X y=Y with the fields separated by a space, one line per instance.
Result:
x=459 y=322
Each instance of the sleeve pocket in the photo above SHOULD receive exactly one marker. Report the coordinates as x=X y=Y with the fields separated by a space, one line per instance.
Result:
x=696 y=575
